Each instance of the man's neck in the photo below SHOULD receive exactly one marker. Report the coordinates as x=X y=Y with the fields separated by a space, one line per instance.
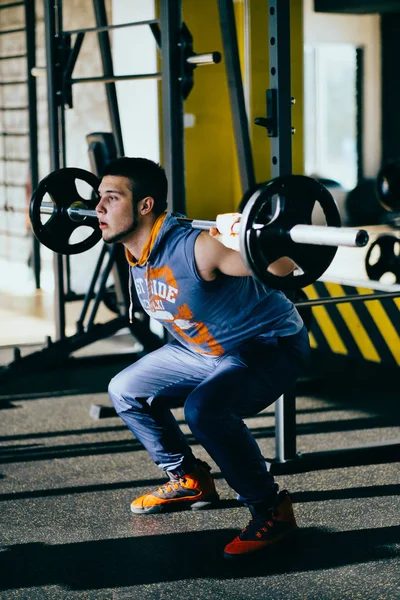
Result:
x=139 y=238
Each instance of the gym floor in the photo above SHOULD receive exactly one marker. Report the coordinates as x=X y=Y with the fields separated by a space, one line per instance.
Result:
x=67 y=480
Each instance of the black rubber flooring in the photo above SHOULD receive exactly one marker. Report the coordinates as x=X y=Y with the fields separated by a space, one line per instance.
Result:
x=67 y=479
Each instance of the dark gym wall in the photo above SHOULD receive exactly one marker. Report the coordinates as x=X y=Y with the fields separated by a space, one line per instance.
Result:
x=390 y=31
x=357 y=6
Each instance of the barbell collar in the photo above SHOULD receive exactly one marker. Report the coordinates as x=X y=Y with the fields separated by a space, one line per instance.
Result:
x=328 y=236
x=47 y=208
x=210 y=58
x=76 y=212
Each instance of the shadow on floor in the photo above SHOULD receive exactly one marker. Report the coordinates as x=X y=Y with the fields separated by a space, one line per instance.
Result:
x=297 y=497
x=344 y=381
x=151 y=559
x=76 y=376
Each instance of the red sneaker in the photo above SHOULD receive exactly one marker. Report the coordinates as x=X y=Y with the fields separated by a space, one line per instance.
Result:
x=195 y=491
x=264 y=530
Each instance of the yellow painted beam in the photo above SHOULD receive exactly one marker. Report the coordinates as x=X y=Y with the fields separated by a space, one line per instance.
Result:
x=313 y=341
x=383 y=323
x=354 y=324
x=326 y=324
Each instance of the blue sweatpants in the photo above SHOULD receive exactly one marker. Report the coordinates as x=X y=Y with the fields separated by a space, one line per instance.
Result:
x=217 y=393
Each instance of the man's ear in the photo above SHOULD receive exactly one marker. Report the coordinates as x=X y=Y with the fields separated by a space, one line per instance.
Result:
x=147 y=205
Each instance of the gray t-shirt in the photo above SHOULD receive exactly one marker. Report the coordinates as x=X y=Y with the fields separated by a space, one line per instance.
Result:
x=209 y=317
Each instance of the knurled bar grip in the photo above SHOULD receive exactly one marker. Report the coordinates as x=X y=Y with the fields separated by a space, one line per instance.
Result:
x=300 y=234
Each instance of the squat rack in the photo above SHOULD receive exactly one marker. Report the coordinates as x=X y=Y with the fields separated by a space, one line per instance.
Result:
x=278 y=123
x=178 y=63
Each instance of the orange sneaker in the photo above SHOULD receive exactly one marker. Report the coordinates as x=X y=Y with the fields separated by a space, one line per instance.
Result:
x=263 y=530
x=195 y=490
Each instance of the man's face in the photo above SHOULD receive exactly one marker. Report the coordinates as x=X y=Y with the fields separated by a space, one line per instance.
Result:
x=118 y=218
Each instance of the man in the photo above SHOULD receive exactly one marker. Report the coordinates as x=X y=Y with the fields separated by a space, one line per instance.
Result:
x=238 y=346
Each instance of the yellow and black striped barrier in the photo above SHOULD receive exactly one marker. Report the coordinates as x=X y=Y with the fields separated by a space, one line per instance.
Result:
x=368 y=330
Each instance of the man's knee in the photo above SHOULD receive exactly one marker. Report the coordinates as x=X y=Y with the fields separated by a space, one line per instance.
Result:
x=208 y=418
x=119 y=395
x=115 y=395
x=200 y=414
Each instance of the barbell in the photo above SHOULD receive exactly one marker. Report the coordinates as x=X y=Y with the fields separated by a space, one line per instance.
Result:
x=276 y=222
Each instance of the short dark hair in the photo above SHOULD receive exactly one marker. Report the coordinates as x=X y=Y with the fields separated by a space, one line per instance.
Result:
x=148 y=179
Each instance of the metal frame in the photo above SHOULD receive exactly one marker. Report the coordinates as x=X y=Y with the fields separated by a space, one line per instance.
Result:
x=58 y=51
x=172 y=103
x=236 y=95
x=278 y=123
x=30 y=21
x=178 y=63
x=360 y=112
x=30 y=41
x=108 y=70
x=280 y=82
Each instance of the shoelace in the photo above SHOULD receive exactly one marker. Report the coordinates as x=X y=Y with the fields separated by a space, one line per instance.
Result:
x=258 y=527
x=171 y=485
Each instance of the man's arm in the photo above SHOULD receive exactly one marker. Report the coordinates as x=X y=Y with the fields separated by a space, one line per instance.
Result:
x=218 y=252
x=212 y=257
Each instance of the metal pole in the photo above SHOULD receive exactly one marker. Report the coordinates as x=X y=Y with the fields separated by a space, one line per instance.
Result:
x=281 y=153
x=279 y=68
x=113 y=109
x=108 y=71
x=360 y=113
x=285 y=429
x=172 y=103
x=52 y=12
x=30 y=21
x=236 y=95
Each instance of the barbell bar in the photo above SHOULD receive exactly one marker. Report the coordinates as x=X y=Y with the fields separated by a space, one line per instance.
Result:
x=300 y=234
x=306 y=234
x=276 y=221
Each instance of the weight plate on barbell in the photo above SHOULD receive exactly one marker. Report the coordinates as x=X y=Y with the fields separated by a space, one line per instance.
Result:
x=388 y=186
x=55 y=233
x=383 y=257
x=272 y=210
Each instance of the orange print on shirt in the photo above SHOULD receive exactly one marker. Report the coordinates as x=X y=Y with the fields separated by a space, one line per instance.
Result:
x=159 y=273
x=203 y=335
x=166 y=272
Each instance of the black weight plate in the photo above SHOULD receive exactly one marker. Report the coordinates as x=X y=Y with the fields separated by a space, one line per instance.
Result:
x=278 y=206
x=388 y=261
x=388 y=186
x=55 y=233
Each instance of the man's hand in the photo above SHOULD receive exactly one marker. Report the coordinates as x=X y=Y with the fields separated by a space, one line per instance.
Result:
x=227 y=234
x=226 y=231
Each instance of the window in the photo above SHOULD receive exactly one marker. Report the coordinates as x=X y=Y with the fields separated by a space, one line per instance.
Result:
x=330 y=112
